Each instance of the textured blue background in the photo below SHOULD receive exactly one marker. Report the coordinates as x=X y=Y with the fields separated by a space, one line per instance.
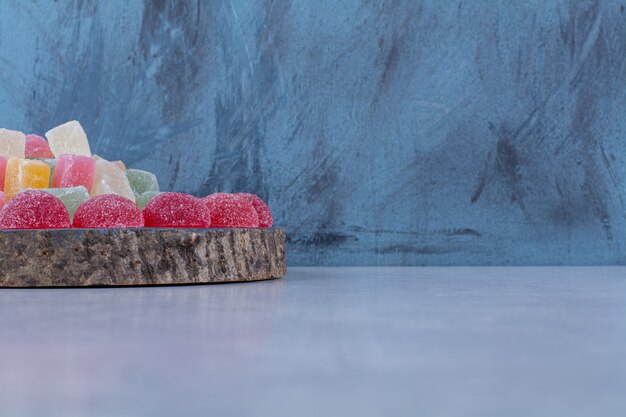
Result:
x=436 y=132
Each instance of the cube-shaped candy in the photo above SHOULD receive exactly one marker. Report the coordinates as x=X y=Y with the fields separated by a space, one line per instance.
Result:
x=37 y=147
x=3 y=170
x=12 y=143
x=118 y=163
x=142 y=181
x=71 y=197
x=25 y=173
x=144 y=198
x=52 y=163
x=73 y=171
x=68 y=138
x=110 y=179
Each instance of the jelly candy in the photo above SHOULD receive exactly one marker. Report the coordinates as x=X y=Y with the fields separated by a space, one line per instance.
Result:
x=2 y=200
x=37 y=147
x=142 y=181
x=73 y=171
x=110 y=179
x=68 y=138
x=52 y=163
x=12 y=143
x=108 y=211
x=144 y=198
x=176 y=210
x=231 y=210
x=71 y=197
x=3 y=169
x=265 y=215
x=118 y=163
x=34 y=209
x=25 y=173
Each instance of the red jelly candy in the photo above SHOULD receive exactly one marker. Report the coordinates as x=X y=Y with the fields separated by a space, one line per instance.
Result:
x=265 y=215
x=176 y=210
x=34 y=210
x=37 y=147
x=108 y=211
x=231 y=210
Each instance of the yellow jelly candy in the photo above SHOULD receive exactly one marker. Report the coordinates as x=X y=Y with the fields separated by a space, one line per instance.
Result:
x=25 y=173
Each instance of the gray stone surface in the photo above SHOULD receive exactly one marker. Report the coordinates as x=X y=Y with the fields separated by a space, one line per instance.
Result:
x=484 y=342
x=145 y=256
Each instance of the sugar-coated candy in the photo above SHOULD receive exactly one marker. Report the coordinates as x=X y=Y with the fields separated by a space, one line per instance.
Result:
x=108 y=211
x=265 y=215
x=12 y=143
x=118 y=163
x=25 y=173
x=74 y=171
x=71 y=197
x=142 y=181
x=176 y=210
x=52 y=163
x=144 y=198
x=37 y=147
x=3 y=169
x=110 y=179
x=231 y=210
x=97 y=193
x=34 y=209
x=68 y=138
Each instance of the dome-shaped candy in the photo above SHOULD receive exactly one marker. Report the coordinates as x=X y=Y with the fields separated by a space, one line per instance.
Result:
x=108 y=211
x=34 y=210
x=231 y=210
x=37 y=147
x=265 y=215
x=176 y=210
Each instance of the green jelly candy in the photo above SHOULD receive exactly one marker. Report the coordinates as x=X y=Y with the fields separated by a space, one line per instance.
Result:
x=71 y=197
x=144 y=198
x=142 y=181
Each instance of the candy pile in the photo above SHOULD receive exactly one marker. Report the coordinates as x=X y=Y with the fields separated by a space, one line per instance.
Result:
x=58 y=183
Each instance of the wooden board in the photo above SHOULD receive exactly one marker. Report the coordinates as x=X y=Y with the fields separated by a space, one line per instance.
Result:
x=120 y=257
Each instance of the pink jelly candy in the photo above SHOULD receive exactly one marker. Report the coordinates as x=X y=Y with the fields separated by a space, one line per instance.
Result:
x=34 y=209
x=231 y=210
x=265 y=215
x=73 y=171
x=37 y=147
x=3 y=170
x=176 y=210
x=108 y=211
x=3 y=199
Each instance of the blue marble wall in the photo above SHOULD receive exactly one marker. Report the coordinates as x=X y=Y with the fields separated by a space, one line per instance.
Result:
x=380 y=132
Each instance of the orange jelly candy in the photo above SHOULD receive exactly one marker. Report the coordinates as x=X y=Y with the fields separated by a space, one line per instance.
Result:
x=25 y=173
